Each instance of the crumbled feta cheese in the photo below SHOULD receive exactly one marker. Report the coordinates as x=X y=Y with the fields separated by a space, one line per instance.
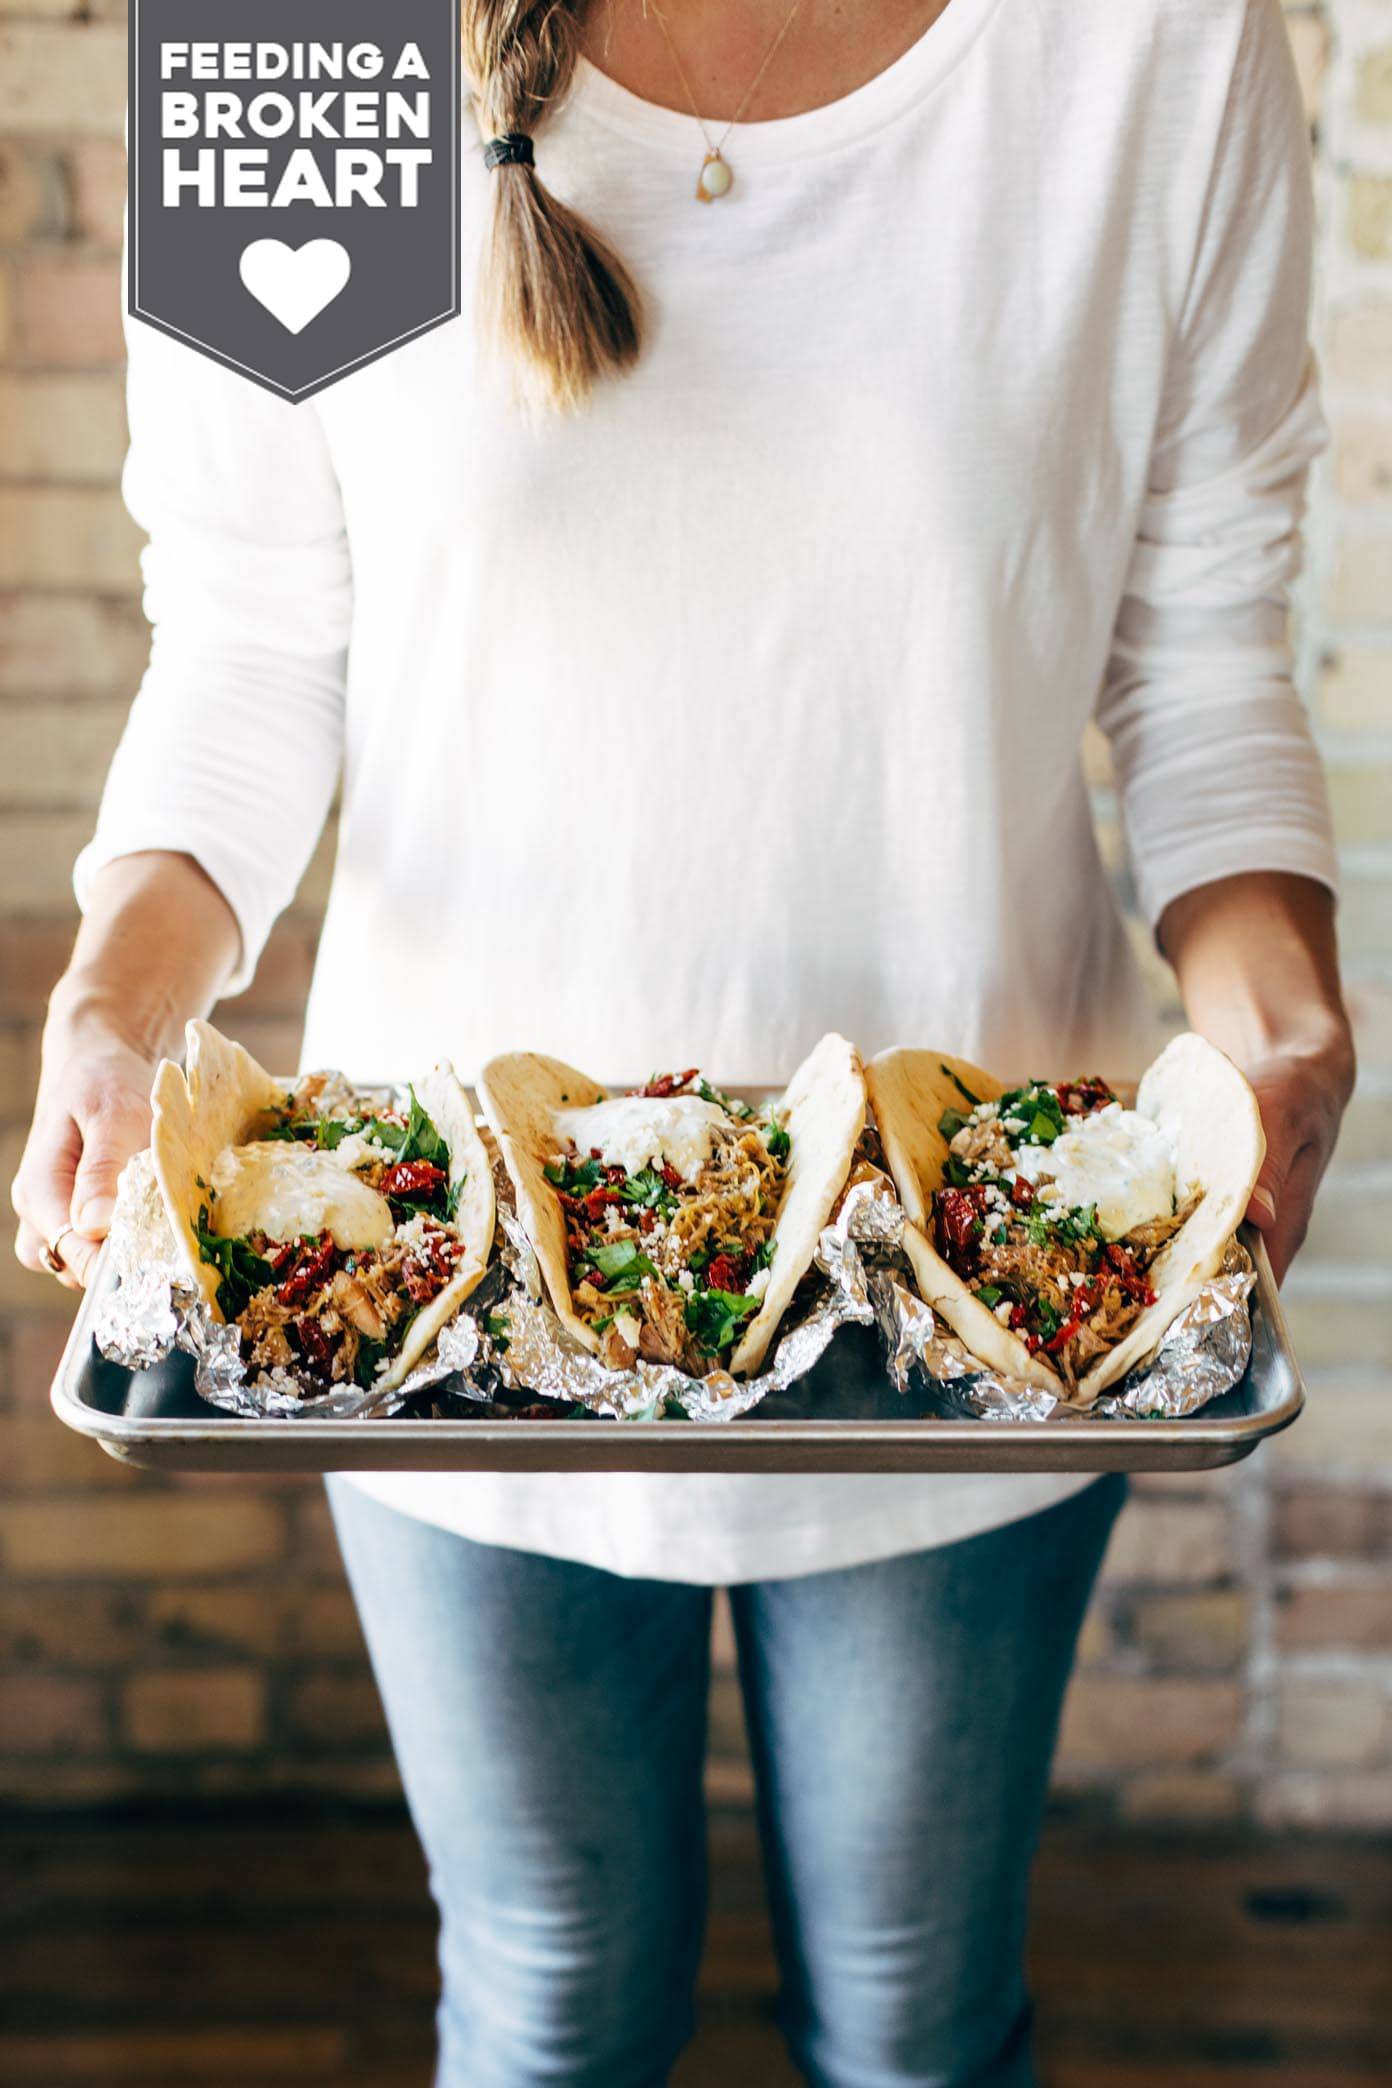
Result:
x=628 y=1329
x=1003 y=1311
x=686 y=1281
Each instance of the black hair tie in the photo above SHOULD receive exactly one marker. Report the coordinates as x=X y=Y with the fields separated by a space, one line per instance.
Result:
x=513 y=149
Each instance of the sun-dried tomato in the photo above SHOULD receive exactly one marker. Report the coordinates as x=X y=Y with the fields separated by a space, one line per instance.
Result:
x=313 y=1344
x=1121 y=1263
x=1022 y=1192
x=725 y=1272
x=957 y=1225
x=616 y=1175
x=415 y=1178
x=1082 y=1097
x=598 y=1201
x=663 y=1084
x=670 y=1175
x=316 y=1266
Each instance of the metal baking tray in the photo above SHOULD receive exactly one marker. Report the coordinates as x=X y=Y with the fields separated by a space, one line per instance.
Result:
x=844 y=1416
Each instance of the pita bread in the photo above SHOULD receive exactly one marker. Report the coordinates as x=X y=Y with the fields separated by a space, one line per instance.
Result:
x=221 y=1099
x=1210 y=1118
x=822 y=1110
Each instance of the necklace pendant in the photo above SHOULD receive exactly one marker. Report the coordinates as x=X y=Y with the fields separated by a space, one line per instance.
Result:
x=714 y=179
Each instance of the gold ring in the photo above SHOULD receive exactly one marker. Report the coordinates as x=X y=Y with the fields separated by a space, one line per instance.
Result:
x=53 y=1252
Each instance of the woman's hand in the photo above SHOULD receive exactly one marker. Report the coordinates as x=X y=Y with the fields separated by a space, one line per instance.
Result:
x=157 y=943
x=1257 y=963
x=92 y=1113
x=1302 y=1095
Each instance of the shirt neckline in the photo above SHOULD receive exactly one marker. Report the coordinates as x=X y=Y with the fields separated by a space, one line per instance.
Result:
x=877 y=101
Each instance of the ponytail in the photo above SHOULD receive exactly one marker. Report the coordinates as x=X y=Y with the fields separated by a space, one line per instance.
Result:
x=553 y=294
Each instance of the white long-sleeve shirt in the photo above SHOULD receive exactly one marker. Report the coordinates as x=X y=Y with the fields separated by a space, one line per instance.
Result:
x=748 y=703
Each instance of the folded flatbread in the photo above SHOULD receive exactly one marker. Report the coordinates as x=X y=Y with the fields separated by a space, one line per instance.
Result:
x=674 y=1223
x=1058 y=1233
x=340 y=1230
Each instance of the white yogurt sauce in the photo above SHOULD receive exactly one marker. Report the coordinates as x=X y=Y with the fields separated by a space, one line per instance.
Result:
x=634 y=1131
x=285 y=1189
x=1116 y=1159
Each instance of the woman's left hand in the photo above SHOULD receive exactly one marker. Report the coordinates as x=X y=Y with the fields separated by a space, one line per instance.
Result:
x=1302 y=1094
x=1257 y=964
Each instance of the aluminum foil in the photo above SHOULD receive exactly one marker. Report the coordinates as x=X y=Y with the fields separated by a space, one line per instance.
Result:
x=153 y=1310
x=508 y=1344
x=535 y=1353
x=1204 y=1354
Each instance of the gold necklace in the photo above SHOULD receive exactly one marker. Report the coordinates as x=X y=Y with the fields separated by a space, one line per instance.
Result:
x=715 y=178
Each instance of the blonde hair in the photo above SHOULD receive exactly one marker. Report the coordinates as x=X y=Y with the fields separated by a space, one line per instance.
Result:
x=553 y=294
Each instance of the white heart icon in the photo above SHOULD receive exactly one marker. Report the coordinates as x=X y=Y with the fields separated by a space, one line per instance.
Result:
x=295 y=284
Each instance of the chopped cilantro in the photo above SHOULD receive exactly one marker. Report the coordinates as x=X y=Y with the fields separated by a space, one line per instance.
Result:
x=990 y=1294
x=950 y=1123
x=495 y=1326
x=647 y=1191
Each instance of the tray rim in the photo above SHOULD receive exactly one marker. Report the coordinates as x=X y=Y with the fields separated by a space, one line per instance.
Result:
x=1069 y=1443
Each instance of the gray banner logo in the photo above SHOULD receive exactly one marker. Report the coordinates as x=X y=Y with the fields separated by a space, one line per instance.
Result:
x=294 y=180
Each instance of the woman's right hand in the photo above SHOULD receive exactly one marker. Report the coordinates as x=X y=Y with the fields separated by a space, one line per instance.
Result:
x=91 y=1114
x=156 y=945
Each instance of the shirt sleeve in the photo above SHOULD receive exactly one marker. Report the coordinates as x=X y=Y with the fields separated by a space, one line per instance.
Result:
x=1216 y=768
x=233 y=746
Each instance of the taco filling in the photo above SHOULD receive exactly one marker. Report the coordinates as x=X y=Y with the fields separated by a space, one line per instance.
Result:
x=670 y=1195
x=331 y=1228
x=1054 y=1203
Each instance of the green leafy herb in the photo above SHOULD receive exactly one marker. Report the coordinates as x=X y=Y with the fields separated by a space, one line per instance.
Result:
x=577 y=1178
x=646 y=1191
x=972 y=1101
x=370 y=1356
x=1039 y=1108
x=990 y=1294
x=778 y=1141
x=620 y=1258
x=950 y=1123
x=739 y=1110
x=243 y=1271
x=495 y=1326
x=713 y=1318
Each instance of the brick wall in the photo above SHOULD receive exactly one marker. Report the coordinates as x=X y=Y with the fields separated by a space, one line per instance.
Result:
x=158 y=1637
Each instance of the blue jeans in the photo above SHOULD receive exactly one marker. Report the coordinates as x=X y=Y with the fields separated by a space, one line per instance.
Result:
x=549 y=1720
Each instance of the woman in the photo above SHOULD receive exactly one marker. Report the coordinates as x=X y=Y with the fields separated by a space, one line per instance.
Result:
x=738 y=698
